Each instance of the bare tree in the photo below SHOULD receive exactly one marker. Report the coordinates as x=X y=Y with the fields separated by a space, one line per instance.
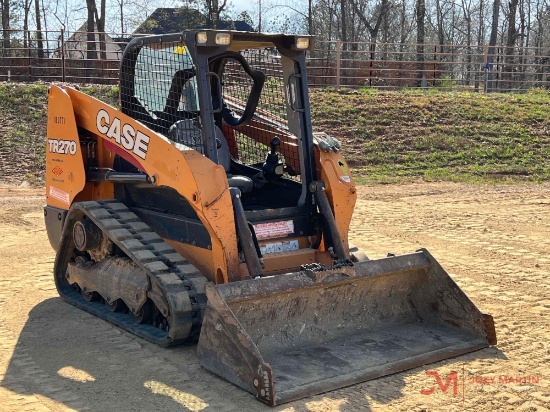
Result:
x=90 y=29
x=492 y=43
x=511 y=38
x=344 y=26
x=379 y=15
x=5 y=27
x=100 y=23
x=26 y=34
x=213 y=11
x=39 y=39
x=420 y=37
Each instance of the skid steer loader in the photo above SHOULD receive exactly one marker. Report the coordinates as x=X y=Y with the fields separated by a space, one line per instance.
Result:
x=206 y=208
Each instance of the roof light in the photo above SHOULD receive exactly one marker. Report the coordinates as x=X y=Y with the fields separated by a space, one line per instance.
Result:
x=302 y=43
x=223 y=39
x=202 y=37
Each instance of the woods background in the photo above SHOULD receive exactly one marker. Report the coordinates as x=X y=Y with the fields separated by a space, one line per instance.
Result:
x=473 y=44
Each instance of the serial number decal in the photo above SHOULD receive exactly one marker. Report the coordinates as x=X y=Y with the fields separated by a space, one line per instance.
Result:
x=279 y=247
x=62 y=146
x=123 y=134
x=60 y=195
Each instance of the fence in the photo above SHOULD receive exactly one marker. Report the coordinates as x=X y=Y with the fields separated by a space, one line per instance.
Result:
x=397 y=66
x=67 y=57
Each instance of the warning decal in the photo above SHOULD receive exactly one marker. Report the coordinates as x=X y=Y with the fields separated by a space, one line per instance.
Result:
x=274 y=229
x=60 y=195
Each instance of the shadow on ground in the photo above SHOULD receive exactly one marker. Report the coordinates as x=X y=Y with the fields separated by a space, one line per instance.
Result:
x=82 y=362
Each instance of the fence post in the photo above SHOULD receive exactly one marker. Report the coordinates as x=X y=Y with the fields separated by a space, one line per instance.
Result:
x=435 y=65
x=338 y=56
x=63 y=55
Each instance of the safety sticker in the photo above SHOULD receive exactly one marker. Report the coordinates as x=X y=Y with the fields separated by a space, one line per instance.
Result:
x=279 y=247
x=180 y=50
x=274 y=229
x=344 y=166
x=60 y=195
x=346 y=179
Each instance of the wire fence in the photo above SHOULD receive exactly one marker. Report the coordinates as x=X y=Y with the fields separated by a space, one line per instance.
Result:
x=82 y=57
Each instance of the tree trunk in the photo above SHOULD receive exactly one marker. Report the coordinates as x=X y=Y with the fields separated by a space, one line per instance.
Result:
x=310 y=17
x=6 y=28
x=420 y=36
x=492 y=45
x=510 y=42
x=440 y=29
x=121 y=4
x=344 y=22
x=26 y=37
x=40 y=43
x=45 y=23
x=100 y=20
x=90 y=36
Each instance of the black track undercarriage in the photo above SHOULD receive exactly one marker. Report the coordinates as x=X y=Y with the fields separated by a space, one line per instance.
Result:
x=114 y=266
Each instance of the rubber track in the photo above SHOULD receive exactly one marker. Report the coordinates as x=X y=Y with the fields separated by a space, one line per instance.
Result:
x=160 y=261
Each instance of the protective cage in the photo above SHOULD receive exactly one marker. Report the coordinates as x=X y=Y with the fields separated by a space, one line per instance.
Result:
x=251 y=141
x=159 y=88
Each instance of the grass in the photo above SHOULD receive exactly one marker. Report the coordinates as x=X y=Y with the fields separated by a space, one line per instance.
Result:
x=23 y=128
x=388 y=137
x=466 y=137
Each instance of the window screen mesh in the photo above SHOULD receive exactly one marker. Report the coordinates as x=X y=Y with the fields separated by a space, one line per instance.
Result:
x=162 y=90
x=270 y=119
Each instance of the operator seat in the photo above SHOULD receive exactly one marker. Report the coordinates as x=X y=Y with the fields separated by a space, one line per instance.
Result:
x=185 y=132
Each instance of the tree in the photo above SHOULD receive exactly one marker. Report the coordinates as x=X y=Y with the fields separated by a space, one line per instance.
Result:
x=213 y=11
x=26 y=35
x=244 y=16
x=40 y=45
x=379 y=14
x=5 y=27
x=511 y=41
x=90 y=29
x=492 y=42
x=420 y=36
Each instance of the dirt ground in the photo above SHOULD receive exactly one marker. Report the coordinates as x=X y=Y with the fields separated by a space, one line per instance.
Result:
x=494 y=241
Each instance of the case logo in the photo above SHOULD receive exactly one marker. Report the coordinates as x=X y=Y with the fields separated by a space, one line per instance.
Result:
x=123 y=134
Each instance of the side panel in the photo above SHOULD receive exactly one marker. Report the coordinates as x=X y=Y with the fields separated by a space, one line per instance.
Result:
x=195 y=177
x=65 y=176
x=334 y=172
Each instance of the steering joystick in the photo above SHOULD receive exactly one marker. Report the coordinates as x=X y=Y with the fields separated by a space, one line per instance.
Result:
x=275 y=143
x=273 y=168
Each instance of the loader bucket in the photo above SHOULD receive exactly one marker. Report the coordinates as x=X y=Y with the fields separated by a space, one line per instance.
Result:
x=291 y=336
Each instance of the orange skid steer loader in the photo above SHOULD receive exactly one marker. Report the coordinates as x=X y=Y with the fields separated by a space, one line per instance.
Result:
x=207 y=209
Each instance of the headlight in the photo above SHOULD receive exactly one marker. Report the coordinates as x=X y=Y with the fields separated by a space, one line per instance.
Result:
x=223 y=39
x=202 y=37
x=302 y=43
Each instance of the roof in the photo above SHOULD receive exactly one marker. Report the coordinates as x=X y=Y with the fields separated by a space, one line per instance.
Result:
x=172 y=20
x=238 y=25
